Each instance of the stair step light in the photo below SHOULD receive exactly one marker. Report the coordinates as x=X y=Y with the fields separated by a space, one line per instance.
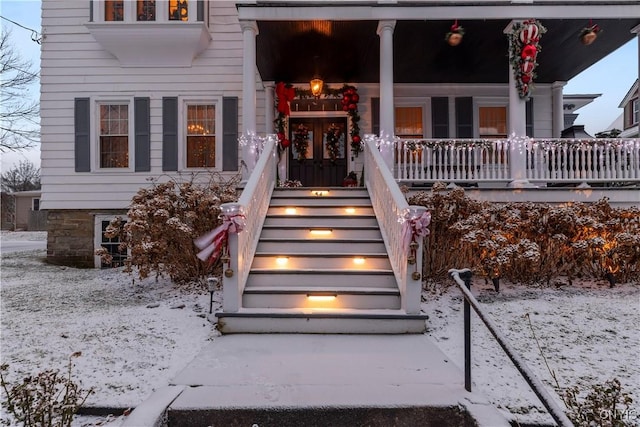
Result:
x=290 y=211
x=350 y=211
x=358 y=260
x=320 y=193
x=322 y=297
x=282 y=260
x=320 y=231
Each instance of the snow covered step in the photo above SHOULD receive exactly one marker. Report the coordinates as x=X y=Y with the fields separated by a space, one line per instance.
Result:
x=288 y=246
x=279 y=261
x=294 y=210
x=320 y=321
x=321 y=221
x=309 y=279
x=324 y=297
x=312 y=232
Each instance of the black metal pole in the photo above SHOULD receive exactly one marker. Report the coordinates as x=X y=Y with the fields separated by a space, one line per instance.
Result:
x=466 y=276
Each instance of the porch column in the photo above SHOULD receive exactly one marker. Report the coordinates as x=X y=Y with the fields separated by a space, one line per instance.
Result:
x=387 y=127
x=269 y=99
x=249 y=33
x=557 y=125
x=517 y=128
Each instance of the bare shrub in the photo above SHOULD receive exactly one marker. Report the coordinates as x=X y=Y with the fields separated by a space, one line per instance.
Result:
x=47 y=399
x=529 y=242
x=163 y=221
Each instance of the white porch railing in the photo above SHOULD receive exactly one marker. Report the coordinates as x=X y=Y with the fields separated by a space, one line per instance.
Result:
x=255 y=200
x=545 y=160
x=584 y=160
x=389 y=205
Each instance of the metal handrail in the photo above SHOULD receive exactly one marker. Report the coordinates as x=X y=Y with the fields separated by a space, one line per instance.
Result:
x=462 y=278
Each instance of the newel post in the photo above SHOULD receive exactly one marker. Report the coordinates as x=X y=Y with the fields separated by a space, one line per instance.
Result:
x=416 y=221
x=231 y=294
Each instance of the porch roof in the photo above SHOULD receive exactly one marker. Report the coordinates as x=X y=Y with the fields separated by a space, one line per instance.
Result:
x=347 y=50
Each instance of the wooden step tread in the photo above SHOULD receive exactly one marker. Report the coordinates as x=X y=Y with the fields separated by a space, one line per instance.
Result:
x=318 y=240
x=346 y=313
x=292 y=290
x=306 y=227
x=323 y=255
x=342 y=271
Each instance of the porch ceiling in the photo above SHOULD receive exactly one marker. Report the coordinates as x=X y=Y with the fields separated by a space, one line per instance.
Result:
x=348 y=51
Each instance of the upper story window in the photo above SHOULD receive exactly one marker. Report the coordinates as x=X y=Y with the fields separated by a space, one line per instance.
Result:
x=178 y=10
x=146 y=10
x=113 y=149
x=114 y=10
x=635 y=111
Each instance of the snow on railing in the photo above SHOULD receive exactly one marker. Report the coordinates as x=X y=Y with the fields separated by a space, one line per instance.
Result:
x=547 y=160
x=390 y=207
x=583 y=160
x=255 y=200
x=451 y=160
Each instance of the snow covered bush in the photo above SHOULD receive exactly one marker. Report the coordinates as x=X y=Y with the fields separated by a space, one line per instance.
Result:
x=48 y=399
x=605 y=405
x=529 y=242
x=163 y=221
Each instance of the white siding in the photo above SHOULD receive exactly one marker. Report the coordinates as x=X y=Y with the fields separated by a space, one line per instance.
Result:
x=75 y=65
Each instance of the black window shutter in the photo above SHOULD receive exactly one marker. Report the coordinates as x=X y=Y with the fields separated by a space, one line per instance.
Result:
x=200 y=11
x=142 y=135
x=170 y=133
x=529 y=114
x=464 y=117
x=440 y=117
x=82 y=145
x=230 y=133
x=375 y=116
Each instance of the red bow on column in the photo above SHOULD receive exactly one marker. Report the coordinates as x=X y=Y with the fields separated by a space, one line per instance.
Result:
x=285 y=95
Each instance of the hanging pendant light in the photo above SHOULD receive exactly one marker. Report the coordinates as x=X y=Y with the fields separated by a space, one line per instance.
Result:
x=316 y=85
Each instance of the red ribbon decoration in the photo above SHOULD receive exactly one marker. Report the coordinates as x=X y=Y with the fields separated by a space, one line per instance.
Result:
x=412 y=228
x=285 y=95
x=212 y=243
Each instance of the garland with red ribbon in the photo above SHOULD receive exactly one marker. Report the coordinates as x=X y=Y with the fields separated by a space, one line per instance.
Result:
x=523 y=52
x=333 y=142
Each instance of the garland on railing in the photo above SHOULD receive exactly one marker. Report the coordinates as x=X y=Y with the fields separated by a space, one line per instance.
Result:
x=548 y=144
x=523 y=51
x=415 y=144
x=285 y=93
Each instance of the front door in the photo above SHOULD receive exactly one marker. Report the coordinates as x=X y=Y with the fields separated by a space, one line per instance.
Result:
x=318 y=154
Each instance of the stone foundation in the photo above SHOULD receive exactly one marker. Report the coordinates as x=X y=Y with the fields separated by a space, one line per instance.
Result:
x=70 y=237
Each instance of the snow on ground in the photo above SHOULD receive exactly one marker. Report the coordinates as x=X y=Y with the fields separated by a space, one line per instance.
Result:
x=130 y=347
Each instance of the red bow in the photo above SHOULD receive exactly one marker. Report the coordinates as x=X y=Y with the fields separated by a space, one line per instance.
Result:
x=285 y=95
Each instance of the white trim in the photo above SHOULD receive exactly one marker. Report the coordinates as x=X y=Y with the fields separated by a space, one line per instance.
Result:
x=183 y=102
x=95 y=132
x=97 y=235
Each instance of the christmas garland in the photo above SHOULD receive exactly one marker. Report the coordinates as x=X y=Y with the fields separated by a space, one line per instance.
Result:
x=333 y=142
x=286 y=93
x=523 y=50
x=301 y=142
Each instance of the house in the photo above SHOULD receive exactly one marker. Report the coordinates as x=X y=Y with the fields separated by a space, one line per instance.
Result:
x=157 y=88
x=631 y=113
x=21 y=211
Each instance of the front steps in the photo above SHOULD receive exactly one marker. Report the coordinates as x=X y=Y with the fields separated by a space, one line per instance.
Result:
x=321 y=266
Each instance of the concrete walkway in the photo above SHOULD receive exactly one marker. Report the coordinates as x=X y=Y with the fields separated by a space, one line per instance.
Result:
x=307 y=376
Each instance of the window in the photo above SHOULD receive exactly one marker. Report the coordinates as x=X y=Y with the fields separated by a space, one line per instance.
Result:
x=178 y=10
x=114 y=10
x=635 y=111
x=110 y=244
x=200 y=135
x=35 y=204
x=492 y=122
x=146 y=10
x=409 y=122
x=114 y=136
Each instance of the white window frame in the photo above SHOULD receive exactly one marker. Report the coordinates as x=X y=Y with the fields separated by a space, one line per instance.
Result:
x=423 y=103
x=183 y=103
x=95 y=132
x=487 y=102
x=97 y=235
x=130 y=12
x=635 y=111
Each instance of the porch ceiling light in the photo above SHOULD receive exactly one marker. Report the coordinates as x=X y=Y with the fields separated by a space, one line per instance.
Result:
x=316 y=85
